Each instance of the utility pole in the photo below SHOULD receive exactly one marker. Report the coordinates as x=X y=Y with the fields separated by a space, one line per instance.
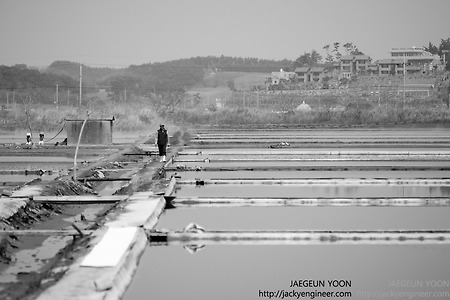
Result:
x=379 y=95
x=68 y=97
x=7 y=99
x=81 y=80
x=57 y=93
x=445 y=62
x=404 y=77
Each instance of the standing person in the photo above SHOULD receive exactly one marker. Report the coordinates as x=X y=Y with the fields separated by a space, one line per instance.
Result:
x=162 y=139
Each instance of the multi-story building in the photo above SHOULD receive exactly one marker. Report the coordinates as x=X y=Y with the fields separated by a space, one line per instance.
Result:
x=353 y=64
x=310 y=74
x=410 y=60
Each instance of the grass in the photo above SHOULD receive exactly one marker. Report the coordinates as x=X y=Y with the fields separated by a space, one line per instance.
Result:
x=328 y=108
x=128 y=117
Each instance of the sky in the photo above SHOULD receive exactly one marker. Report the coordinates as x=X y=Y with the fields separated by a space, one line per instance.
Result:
x=113 y=33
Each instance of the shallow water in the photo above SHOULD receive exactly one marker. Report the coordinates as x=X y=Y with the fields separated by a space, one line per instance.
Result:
x=311 y=191
x=242 y=272
x=307 y=218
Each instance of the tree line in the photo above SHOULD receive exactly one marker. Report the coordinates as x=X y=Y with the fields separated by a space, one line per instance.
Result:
x=172 y=76
x=443 y=48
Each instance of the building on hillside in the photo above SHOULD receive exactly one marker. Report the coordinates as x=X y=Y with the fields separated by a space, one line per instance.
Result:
x=395 y=66
x=336 y=68
x=353 y=64
x=372 y=69
x=414 y=60
x=279 y=77
x=317 y=74
x=310 y=74
x=302 y=73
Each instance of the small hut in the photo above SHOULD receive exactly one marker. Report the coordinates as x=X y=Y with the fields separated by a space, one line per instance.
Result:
x=95 y=132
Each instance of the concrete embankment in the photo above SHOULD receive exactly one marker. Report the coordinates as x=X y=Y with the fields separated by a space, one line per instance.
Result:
x=106 y=267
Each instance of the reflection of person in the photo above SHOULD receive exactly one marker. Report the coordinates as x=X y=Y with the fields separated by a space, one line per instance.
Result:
x=162 y=139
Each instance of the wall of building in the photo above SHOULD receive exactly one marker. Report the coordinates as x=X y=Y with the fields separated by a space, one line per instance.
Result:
x=95 y=132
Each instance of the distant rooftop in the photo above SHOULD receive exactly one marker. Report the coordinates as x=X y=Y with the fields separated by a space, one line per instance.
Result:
x=302 y=69
x=357 y=57
x=413 y=48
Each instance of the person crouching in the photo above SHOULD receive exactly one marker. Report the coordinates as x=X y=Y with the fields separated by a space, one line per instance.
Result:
x=41 y=138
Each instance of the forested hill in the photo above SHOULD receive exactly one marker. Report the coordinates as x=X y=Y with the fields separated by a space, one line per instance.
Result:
x=239 y=64
x=171 y=75
x=176 y=75
x=20 y=77
x=90 y=75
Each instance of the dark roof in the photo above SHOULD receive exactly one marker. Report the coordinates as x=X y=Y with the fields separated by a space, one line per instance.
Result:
x=356 y=57
x=391 y=61
x=302 y=69
x=317 y=69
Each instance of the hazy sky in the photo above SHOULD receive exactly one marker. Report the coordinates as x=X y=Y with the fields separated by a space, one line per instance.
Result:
x=120 y=33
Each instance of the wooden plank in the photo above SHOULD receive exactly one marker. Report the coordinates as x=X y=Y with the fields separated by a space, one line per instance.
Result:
x=43 y=232
x=105 y=179
x=322 y=202
x=26 y=172
x=80 y=199
x=302 y=237
x=141 y=154
x=325 y=181
x=115 y=170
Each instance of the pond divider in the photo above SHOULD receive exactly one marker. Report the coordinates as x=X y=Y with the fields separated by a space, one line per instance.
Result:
x=325 y=181
x=104 y=179
x=323 y=202
x=300 y=237
x=88 y=199
x=317 y=158
x=316 y=152
x=308 y=168
x=47 y=232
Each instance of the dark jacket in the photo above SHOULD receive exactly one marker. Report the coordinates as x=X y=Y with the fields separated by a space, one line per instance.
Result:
x=163 y=138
